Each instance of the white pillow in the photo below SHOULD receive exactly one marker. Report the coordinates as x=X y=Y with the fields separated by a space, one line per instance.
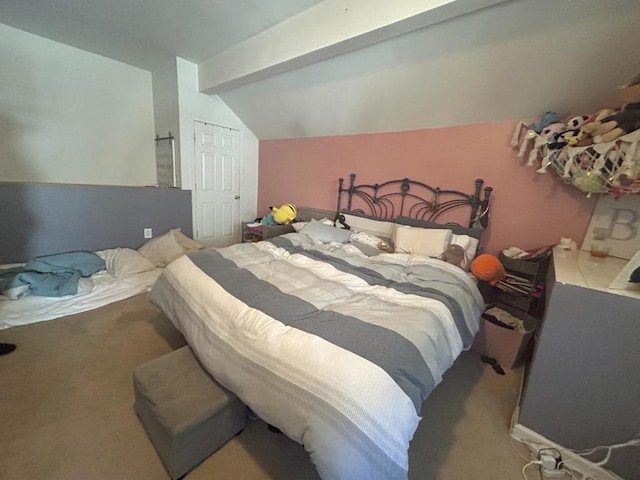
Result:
x=297 y=226
x=121 y=262
x=379 y=228
x=188 y=245
x=469 y=244
x=426 y=241
x=371 y=241
x=161 y=250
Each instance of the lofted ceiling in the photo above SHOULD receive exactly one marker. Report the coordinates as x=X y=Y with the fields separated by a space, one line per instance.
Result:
x=514 y=59
x=194 y=30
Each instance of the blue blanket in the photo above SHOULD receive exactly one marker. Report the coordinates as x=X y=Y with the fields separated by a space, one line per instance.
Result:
x=50 y=276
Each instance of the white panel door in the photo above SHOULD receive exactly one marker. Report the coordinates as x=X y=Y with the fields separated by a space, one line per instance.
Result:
x=217 y=184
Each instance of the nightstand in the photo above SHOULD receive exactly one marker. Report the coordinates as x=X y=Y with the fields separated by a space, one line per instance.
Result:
x=255 y=232
x=530 y=280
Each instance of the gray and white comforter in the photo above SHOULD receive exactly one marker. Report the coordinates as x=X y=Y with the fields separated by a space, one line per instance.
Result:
x=336 y=349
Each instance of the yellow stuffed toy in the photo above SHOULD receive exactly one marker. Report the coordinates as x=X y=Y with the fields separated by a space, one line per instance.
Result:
x=282 y=215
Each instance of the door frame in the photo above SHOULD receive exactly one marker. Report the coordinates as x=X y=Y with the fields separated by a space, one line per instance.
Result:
x=192 y=171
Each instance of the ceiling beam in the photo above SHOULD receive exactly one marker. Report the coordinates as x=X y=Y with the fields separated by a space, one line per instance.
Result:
x=328 y=29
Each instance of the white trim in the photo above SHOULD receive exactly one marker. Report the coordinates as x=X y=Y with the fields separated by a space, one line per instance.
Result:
x=576 y=463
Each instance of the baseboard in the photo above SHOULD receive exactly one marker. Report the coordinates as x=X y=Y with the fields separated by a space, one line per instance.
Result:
x=578 y=464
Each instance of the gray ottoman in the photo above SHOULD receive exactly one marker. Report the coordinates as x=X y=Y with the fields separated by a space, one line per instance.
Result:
x=186 y=414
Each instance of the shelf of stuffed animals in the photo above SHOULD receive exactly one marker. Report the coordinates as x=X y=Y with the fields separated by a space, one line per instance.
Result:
x=611 y=168
x=595 y=153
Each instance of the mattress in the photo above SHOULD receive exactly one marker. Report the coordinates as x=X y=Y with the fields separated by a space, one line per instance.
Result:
x=103 y=289
x=336 y=349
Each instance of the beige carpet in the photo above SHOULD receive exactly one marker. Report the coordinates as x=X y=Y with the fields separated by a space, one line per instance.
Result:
x=66 y=410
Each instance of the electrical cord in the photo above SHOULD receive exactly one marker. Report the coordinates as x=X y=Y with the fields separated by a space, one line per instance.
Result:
x=557 y=455
x=569 y=472
x=542 y=450
x=533 y=462
x=539 y=452
x=526 y=459
x=561 y=466
x=564 y=466
x=631 y=443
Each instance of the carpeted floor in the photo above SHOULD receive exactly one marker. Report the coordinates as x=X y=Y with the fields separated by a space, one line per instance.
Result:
x=66 y=410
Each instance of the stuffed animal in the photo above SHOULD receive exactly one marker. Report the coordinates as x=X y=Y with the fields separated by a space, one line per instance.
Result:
x=540 y=139
x=592 y=128
x=617 y=125
x=571 y=137
x=578 y=138
x=559 y=140
x=549 y=130
x=282 y=215
x=532 y=134
x=576 y=122
x=547 y=119
x=455 y=255
x=561 y=135
x=589 y=182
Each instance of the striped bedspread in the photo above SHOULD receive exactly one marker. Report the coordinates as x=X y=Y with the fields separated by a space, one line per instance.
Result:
x=336 y=349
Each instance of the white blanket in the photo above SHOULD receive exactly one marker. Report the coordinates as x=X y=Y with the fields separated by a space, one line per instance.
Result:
x=353 y=414
x=103 y=289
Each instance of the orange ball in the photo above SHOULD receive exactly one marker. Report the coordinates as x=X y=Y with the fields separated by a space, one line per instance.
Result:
x=488 y=268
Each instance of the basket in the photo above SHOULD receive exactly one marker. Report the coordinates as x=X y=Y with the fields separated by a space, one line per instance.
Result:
x=609 y=168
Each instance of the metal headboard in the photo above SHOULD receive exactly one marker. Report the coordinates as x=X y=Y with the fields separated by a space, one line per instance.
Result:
x=413 y=199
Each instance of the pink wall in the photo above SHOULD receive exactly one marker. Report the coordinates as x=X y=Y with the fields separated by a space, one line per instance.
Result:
x=528 y=210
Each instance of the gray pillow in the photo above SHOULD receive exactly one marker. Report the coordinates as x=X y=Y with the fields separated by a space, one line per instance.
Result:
x=635 y=276
x=457 y=229
x=326 y=233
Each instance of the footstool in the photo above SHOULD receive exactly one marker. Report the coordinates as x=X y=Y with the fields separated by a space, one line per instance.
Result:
x=186 y=414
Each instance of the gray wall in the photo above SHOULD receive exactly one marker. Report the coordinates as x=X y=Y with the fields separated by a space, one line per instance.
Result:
x=41 y=219
x=584 y=383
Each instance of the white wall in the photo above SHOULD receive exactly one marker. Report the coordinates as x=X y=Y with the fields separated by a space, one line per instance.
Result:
x=194 y=105
x=69 y=116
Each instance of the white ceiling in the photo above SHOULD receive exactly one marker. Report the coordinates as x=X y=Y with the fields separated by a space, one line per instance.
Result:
x=510 y=61
x=195 y=30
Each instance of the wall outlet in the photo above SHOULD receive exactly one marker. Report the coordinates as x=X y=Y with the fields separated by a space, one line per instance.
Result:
x=148 y=233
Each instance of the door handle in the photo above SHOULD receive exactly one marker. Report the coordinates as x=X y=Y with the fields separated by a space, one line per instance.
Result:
x=236 y=197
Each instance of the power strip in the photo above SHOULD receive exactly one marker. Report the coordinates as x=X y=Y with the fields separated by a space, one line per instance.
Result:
x=552 y=473
x=581 y=467
x=549 y=467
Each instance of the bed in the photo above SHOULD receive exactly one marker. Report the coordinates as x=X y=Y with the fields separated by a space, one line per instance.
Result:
x=103 y=289
x=335 y=347
x=47 y=219
x=112 y=275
